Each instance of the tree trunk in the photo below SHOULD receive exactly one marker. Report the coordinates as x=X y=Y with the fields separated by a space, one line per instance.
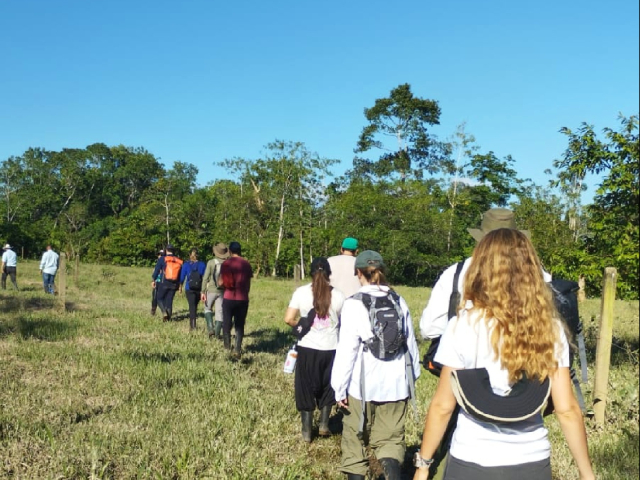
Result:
x=280 y=235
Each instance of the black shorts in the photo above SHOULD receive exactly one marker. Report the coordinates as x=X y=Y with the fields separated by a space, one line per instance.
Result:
x=460 y=470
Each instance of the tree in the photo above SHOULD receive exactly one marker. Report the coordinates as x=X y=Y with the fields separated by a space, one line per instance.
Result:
x=405 y=118
x=613 y=221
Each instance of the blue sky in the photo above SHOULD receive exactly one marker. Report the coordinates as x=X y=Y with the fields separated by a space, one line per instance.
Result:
x=200 y=81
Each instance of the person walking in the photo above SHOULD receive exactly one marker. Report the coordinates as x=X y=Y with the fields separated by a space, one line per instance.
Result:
x=435 y=315
x=236 y=274
x=213 y=291
x=9 y=266
x=154 y=288
x=507 y=335
x=373 y=387
x=48 y=269
x=191 y=276
x=315 y=310
x=343 y=276
x=169 y=266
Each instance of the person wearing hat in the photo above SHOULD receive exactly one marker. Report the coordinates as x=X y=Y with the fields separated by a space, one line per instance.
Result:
x=507 y=337
x=314 y=309
x=48 y=269
x=9 y=266
x=236 y=274
x=343 y=276
x=169 y=266
x=213 y=291
x=360 y=377
x=435 y=316
x=154 y=287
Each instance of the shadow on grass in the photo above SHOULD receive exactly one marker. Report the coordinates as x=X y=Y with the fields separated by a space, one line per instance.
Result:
x=623 y=351
x=47 y=330
x=269 y=340
x=165 y=357
x=18 y=303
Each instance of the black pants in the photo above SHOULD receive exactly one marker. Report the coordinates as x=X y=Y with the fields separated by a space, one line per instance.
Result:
x=166 y=292
x=193 y=298
x=234 y=311
x=460 y=470
x=154 y=299
x=313 y=379
x=11 y=271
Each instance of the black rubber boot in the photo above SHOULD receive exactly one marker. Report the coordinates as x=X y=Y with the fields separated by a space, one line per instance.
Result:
x=391 y=468
x=354 y=476
x=307 y=425
x=238 y=350
x=226 y=337
x=323 y=427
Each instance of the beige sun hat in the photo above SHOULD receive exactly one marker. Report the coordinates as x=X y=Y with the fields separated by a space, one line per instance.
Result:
x=7 y=247
x=221 y=251
x=494 y=219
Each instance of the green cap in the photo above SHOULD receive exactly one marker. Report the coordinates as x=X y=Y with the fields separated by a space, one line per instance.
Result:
x=350 y=243
x=369 y=258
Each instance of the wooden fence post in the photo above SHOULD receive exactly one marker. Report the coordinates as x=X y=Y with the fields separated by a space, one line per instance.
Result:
x=62 y=282
x=296 y=273
x=603 y=348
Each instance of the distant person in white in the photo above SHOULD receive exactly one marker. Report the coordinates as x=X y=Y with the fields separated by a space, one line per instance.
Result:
x=343 y=271
x=9 y=266
x=48 y=269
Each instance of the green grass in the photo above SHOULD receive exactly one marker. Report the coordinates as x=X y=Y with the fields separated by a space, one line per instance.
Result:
x=107 y=391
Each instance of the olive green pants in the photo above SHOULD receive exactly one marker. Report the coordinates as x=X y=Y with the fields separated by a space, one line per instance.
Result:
x=383 y=432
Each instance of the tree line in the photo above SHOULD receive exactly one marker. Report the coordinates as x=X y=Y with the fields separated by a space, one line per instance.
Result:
x=409 y=195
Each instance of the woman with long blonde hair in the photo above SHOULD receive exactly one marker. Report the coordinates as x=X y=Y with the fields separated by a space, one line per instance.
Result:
x=508 y=325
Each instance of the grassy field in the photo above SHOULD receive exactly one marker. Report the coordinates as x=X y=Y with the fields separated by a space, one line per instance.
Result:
x=107 y=391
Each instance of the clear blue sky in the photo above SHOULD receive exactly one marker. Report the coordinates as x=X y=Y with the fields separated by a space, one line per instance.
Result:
x=200 y=81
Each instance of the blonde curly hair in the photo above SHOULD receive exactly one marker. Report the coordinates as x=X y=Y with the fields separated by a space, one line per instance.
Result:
x=505 y=284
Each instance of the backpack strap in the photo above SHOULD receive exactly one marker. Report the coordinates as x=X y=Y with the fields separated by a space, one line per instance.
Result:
x=454 y=298
x=576 y=385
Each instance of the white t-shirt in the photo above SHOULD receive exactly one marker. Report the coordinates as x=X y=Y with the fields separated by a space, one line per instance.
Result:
x=324 y=331
x=343 y=274
x=466 y=344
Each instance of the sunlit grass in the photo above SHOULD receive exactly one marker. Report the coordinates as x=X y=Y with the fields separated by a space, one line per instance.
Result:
x=107 y=391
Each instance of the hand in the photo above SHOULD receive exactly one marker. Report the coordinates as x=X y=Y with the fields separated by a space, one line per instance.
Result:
x=344 y=403
x=203 y=297
x=180 y=291
x=153 y=284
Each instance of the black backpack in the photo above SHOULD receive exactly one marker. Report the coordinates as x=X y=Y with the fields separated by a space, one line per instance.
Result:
x=195 y=279
x=387 y=324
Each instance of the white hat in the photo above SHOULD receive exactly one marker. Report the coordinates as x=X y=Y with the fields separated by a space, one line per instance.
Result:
x=7 y=247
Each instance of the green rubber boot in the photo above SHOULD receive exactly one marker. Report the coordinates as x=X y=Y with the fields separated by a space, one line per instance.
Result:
x=208 y=316
x=218 y=329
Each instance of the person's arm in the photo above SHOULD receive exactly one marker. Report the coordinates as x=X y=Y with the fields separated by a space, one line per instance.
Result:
x=433 y=321
x=184 y=272
x=291 y=316
x=347 y=350
x=412 y=344
x=442 y=406
x=42 y=263
x=569 y=416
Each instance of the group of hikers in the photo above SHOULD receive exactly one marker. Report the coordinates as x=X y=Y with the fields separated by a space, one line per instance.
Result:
x=222 y=284
x=499 y=347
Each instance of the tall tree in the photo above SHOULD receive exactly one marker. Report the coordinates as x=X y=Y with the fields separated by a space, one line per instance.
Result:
x=405 y=119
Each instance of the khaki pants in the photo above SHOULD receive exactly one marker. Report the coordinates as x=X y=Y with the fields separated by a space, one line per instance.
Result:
x=383 y=431
x=213 y=303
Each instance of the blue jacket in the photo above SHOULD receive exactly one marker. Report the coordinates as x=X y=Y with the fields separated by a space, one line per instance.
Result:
x=187 y=267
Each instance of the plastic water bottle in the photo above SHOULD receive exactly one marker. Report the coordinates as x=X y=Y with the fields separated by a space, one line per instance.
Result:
x=290 y=362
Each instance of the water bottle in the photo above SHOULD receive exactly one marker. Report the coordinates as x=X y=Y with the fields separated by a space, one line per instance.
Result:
x=290 y=362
